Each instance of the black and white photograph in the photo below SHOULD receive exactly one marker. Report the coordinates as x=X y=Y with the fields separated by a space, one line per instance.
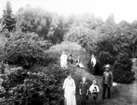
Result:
x=68 y=52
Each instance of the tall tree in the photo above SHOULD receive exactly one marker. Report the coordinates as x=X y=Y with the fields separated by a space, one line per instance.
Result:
x=8 y=20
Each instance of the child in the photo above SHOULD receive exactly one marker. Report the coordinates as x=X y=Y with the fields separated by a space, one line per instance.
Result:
x=94 y=92
x=83 y=89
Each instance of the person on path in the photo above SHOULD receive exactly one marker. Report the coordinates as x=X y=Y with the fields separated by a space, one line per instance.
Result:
x=83 y=91
x=79 y=63
x=70 y=62
x=94 y=89
x=70 y=59
x=107 y=81
x=63 y=60
x=69 y=90
x=93 y=64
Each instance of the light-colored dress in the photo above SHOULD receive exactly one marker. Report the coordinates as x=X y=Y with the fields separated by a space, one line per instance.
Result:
x=69 y=91
x=63 y=61
x=94 y=61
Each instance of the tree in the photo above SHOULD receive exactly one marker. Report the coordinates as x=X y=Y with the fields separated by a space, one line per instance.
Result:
x=122 y=69
x=56 y=30
x=77 y=32
x=45 y=24
x=25 y=49
x=110 y=20
x=8 y=20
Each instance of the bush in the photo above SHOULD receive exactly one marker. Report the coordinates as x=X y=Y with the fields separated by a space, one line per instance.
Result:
x=105 y=58
x=42 y=88
x=122 y=69
x=25 y=49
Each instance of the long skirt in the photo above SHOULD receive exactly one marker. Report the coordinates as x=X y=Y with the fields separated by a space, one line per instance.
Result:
x=69 y=95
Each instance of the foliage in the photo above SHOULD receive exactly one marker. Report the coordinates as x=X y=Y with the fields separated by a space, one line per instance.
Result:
x=66 y=46
x=27 y=88
x=25 y=49
x=105 y=58
x=45 y=24
x=8 y=20
x=122 y=69
x=77 y=32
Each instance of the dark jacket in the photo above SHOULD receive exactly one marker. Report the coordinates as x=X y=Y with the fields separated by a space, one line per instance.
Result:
x=110 y=79
x=84 y=87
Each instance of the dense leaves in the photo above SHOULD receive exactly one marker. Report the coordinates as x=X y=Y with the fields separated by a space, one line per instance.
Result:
x=25 y=49
x=45 y=24
x=122 y=69
x=27 y=88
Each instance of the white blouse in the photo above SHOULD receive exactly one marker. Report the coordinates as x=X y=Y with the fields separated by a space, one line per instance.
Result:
x=69 y=83
x=92 y=88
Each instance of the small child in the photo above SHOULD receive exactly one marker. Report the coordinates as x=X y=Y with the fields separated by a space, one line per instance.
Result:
x=83 y=89
x=94 y=92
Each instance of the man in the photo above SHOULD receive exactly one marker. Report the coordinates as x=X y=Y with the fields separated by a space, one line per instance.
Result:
x=107 y=81
x=83 y=89
x=93 y=62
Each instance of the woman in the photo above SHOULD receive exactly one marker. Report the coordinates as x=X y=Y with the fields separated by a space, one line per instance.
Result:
x=69 y=91
x=63 y=60
x=92 y=64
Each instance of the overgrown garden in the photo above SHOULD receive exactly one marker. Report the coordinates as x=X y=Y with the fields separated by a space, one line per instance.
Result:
x=30 y=71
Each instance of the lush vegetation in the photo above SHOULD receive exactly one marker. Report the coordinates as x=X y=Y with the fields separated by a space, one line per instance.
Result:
x=24 y=87
x=32 y=40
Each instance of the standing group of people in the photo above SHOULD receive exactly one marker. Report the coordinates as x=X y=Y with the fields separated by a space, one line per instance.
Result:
x=84 y=89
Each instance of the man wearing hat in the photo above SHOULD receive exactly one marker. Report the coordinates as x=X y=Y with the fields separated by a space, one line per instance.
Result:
x=107 y=81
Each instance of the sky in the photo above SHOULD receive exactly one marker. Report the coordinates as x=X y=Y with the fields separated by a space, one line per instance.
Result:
x=122 y=9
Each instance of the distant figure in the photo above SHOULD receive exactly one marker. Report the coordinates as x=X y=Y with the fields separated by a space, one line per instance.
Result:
x=94 y=89
x=78 y=60
x=83 y=91
x=69 y=91
x=93 y=64
x=70 y=62
x=79 y=63
x=63 y=60
x=107 y=81
x=70 y=59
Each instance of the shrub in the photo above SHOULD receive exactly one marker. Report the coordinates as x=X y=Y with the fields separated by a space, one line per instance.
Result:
x=122 y=69
x=42 y=88
x=25 y=49
x=105 y=58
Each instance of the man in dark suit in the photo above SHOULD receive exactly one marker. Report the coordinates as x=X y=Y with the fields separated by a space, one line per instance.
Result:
x=107 y=81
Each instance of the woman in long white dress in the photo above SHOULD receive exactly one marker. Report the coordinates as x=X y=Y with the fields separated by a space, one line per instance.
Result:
x=63 y=60
x=69 y=91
